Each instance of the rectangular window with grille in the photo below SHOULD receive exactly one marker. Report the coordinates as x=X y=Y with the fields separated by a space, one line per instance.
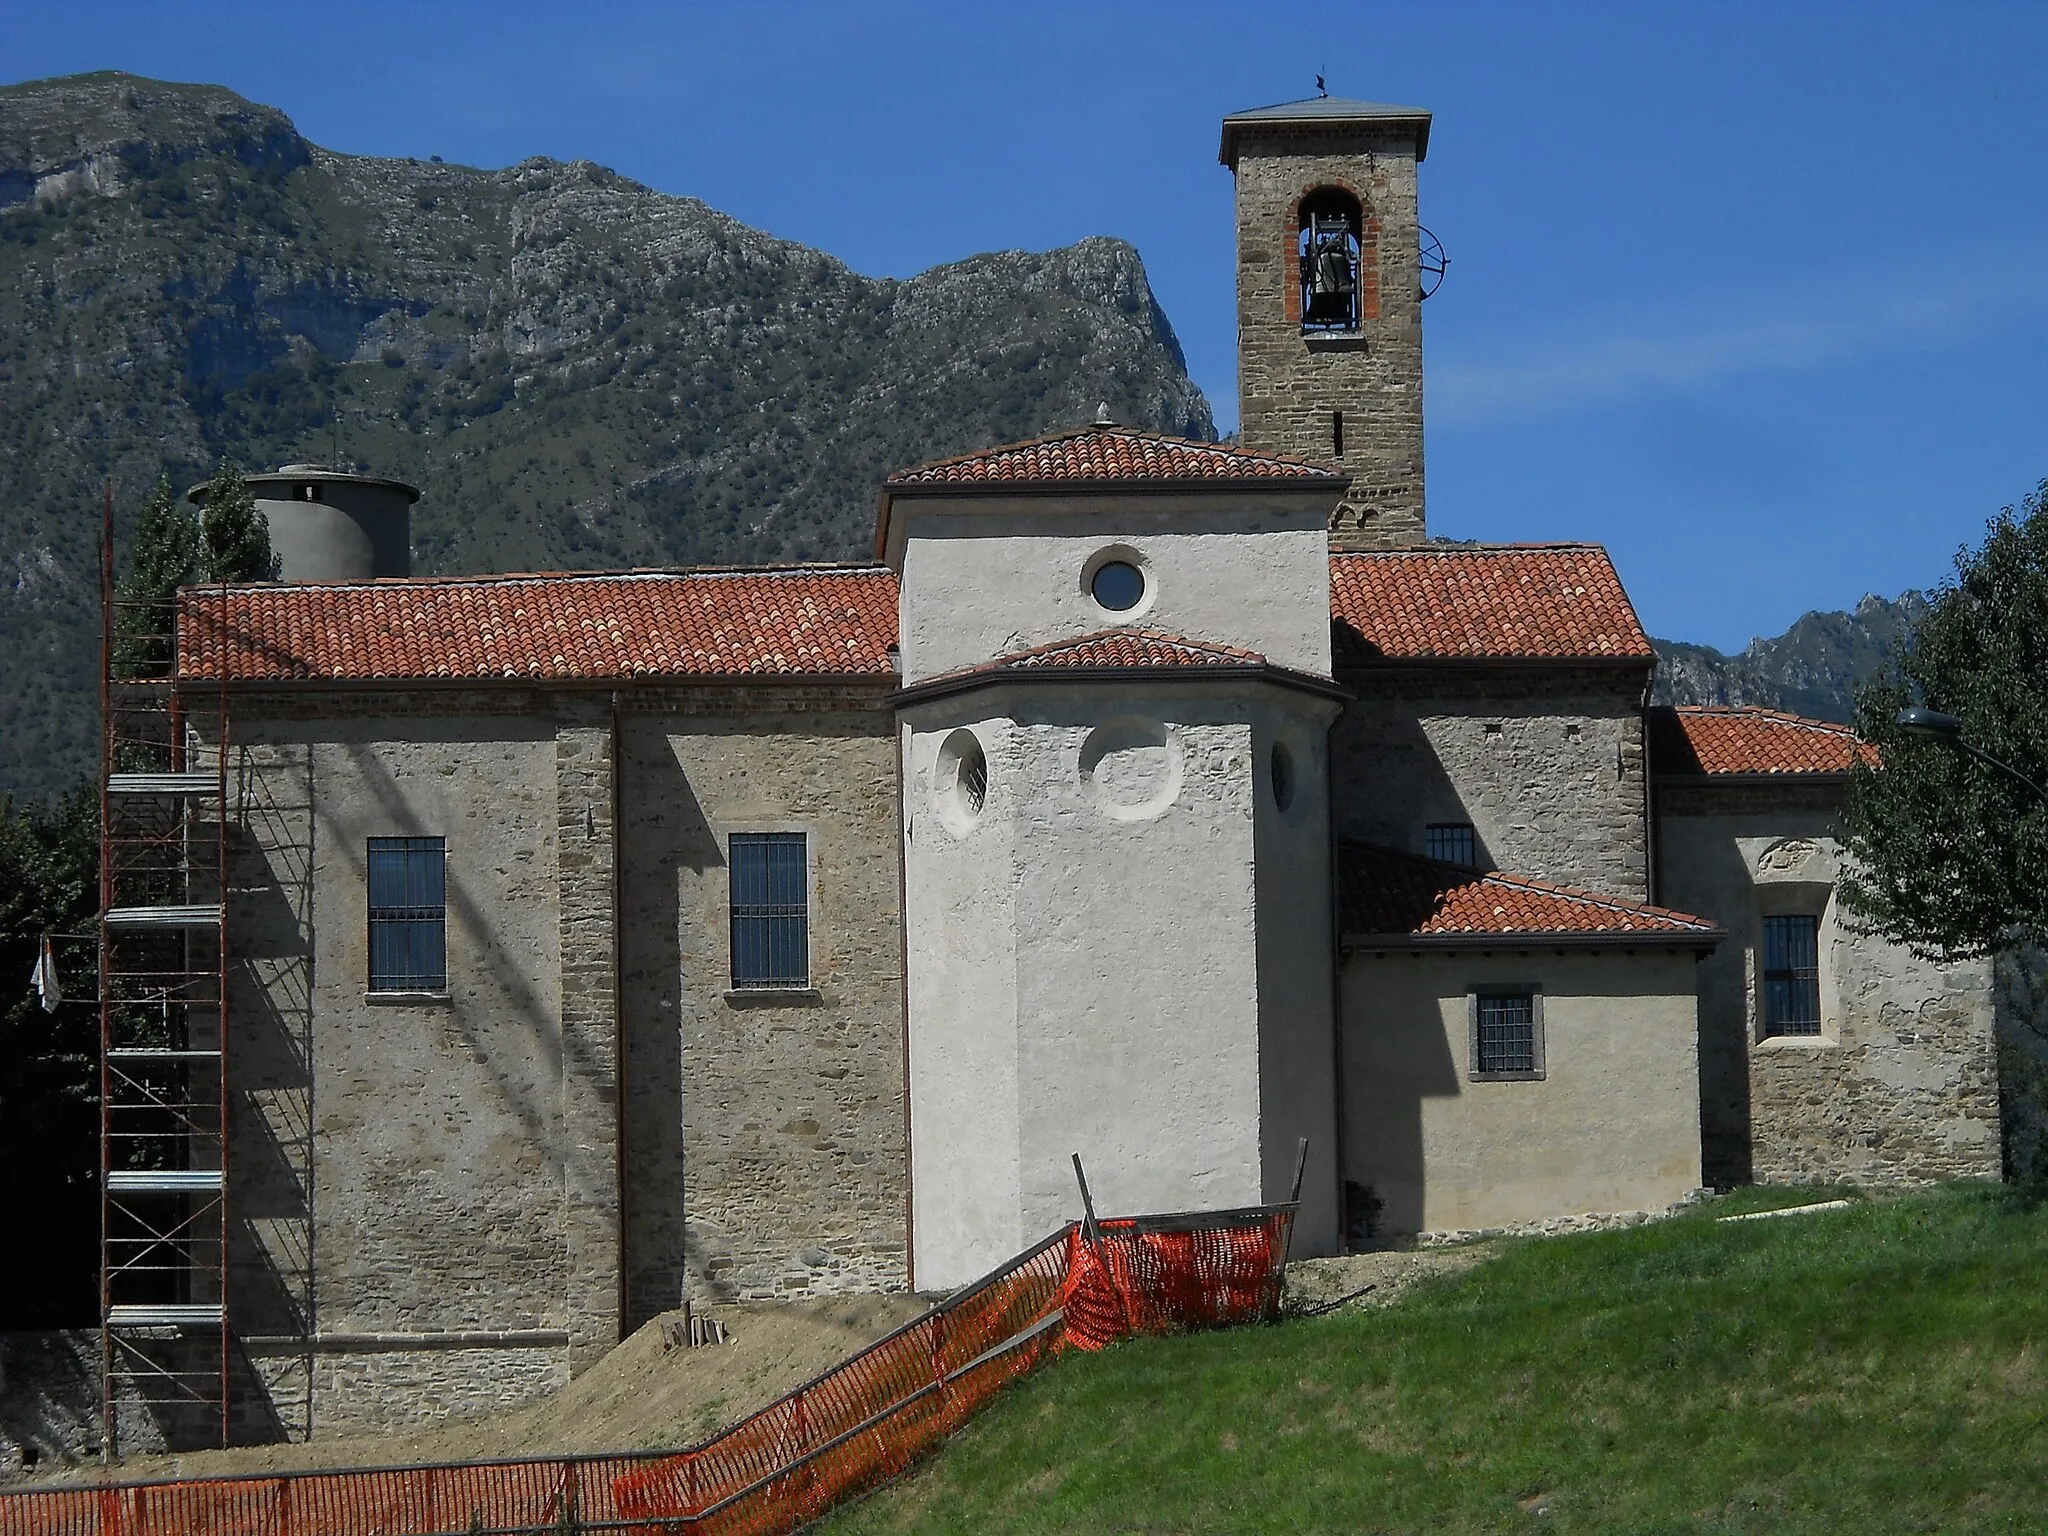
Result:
x=408 y=914
x=1792 y=975
x=1506 y=1033
x=1451 y=841
x=771 y=914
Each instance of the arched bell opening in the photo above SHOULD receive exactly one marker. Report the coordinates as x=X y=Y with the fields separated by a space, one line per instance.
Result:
x=1329 y=247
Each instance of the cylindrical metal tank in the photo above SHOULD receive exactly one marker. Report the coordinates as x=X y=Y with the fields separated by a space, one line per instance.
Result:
x=331 y=524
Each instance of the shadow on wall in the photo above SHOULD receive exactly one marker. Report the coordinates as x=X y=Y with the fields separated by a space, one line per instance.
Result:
x=1726 y=1140
x=663 y=833
x=2021 y=1020
x=1397 y=1064
x=270 y=1279
x=1389 y=748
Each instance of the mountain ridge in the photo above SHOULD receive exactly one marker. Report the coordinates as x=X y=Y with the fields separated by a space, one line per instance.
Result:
x=578 y=370
x=1813 y=668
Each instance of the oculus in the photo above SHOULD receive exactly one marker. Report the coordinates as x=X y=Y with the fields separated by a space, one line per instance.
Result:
x=960 y=781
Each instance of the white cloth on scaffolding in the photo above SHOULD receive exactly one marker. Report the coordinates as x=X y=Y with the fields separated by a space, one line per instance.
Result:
x=45 y=978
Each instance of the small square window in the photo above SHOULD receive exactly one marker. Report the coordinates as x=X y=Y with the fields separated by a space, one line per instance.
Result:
x=771 y=916
x=1451 y=841
x=408 y=914
x=1791 y=975
x=1506 y=1033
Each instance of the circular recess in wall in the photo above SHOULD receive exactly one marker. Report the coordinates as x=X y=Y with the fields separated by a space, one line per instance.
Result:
x=1131 y=768
x=960 y=781
x=1281 y=769
x=1118 y=580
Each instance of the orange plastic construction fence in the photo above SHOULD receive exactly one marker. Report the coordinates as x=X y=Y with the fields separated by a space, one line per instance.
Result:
x=853 y=1428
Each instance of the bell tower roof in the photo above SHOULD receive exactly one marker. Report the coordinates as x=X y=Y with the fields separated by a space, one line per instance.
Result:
x=1325 y=112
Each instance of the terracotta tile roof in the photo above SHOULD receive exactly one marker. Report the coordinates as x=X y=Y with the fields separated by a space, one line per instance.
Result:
x=1109 y=453
x=1742 y=738
x=835 y=621
x=1399 y=897
x=1113 y=650
x=1127 y=648
x=1503 y=601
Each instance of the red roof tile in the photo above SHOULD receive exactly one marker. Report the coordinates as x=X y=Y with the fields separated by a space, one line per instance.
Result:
x=1742 y=738
x=1109 y=453
x=1512 y=601
x=834 y=621
x=1113 y=650
x=1127 y=648
x=1397 y=896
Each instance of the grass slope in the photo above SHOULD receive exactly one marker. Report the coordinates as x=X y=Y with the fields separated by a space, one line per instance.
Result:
x=1872 y=1370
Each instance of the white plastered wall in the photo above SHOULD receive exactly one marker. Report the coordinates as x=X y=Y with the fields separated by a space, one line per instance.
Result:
x=1153 y=1023
x=1613 y=1125
x=986 y=576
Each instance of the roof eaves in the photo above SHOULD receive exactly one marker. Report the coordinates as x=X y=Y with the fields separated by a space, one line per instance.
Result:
x=1533 y=938
x=1796 y=777
x=1501 y=661
x=614 y=682
x=1324 y=112
x=1189 y=672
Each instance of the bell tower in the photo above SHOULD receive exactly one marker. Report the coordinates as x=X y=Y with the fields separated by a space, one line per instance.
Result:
x=1329 y=301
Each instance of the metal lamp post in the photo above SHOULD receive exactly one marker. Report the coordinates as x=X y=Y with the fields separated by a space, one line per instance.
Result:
x=1933 y=725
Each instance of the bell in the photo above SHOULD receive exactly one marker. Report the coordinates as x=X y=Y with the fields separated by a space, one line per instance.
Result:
x=1332 y=271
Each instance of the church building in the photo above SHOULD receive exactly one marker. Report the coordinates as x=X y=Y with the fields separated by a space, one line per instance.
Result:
x=602 y=941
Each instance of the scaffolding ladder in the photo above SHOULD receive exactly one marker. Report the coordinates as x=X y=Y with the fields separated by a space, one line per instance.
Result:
x=165 y=1336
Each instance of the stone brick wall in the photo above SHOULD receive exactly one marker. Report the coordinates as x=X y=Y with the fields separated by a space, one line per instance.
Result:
x=1289 y=384
x=765 y=1134
x=1900 y=1087
x=425 y=1193
x=1547 y=766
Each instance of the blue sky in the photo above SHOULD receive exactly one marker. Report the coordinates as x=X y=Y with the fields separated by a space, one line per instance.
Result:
x=1756 y=295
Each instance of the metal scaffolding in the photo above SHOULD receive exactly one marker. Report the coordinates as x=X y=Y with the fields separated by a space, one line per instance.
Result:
x=163 y=945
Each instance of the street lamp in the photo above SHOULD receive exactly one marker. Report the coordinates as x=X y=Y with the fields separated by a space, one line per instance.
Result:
x=1933 y=725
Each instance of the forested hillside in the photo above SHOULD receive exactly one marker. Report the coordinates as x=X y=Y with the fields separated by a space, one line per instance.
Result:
x=578 y=371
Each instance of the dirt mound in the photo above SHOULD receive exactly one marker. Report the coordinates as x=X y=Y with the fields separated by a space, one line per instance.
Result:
x=1389 y=1274
x=649 y=1393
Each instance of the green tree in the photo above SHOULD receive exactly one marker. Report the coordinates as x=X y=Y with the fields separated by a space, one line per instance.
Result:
x=234 y=536
x=49 y=1062
x=162 y=556
x=1947 y=853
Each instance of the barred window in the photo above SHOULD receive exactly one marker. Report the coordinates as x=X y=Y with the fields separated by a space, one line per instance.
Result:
x=771 y=919
x=1506 y=1032
x=1792 y=975
x=1451 y=841
x=408 y=914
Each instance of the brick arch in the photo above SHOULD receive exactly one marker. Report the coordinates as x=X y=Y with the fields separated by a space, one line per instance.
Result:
x=1368 y=248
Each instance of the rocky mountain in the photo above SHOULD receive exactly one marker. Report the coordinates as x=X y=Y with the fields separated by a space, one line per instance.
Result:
x=1811 y=669
x=578 y=371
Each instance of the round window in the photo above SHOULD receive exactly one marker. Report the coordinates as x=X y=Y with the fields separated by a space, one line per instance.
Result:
x=1118 y=585
x=960 y=781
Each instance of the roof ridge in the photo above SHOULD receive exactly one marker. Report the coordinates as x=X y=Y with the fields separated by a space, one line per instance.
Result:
x=1762 y=712
x=1110 y=429
x=1519 y=547
x=511 y=578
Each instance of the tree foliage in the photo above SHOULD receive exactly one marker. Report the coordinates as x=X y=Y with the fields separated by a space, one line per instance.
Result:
x=234 y=537
x=1947 y=853
x=162 y=556
x=49 y=1062
x=172 y=547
